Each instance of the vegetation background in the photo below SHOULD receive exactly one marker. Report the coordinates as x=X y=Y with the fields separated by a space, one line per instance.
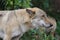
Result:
x=52 y=8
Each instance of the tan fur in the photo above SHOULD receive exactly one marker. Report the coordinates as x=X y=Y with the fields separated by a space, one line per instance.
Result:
x=50 y=29
x=17 y=22
x=53 y=28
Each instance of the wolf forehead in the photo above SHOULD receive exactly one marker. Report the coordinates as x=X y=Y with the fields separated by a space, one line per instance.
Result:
x=35 y=10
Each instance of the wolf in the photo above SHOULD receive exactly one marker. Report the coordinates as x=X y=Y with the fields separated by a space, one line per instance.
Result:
x=17 y=22
x=49 y=30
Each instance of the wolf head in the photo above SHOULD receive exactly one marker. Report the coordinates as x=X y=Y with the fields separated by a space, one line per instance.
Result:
x=39 y=18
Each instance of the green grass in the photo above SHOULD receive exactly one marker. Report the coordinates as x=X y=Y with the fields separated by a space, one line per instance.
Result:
x=36 y=35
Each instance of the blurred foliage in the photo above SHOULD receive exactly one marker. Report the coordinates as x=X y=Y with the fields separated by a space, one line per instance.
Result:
x=2 y=4
x=35 y=34
x=14 y=4
x=46 y=5
x=22 y=3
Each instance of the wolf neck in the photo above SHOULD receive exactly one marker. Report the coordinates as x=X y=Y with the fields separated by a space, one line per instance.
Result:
x=5 y=17
x=25 y=28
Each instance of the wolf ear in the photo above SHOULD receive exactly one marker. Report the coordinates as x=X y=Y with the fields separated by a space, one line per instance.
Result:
x=30 y=11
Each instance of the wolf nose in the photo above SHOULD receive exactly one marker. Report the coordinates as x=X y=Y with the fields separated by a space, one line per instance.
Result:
x=51 y=25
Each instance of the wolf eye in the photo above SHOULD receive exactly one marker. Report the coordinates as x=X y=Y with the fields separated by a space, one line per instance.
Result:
x=43 y=15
